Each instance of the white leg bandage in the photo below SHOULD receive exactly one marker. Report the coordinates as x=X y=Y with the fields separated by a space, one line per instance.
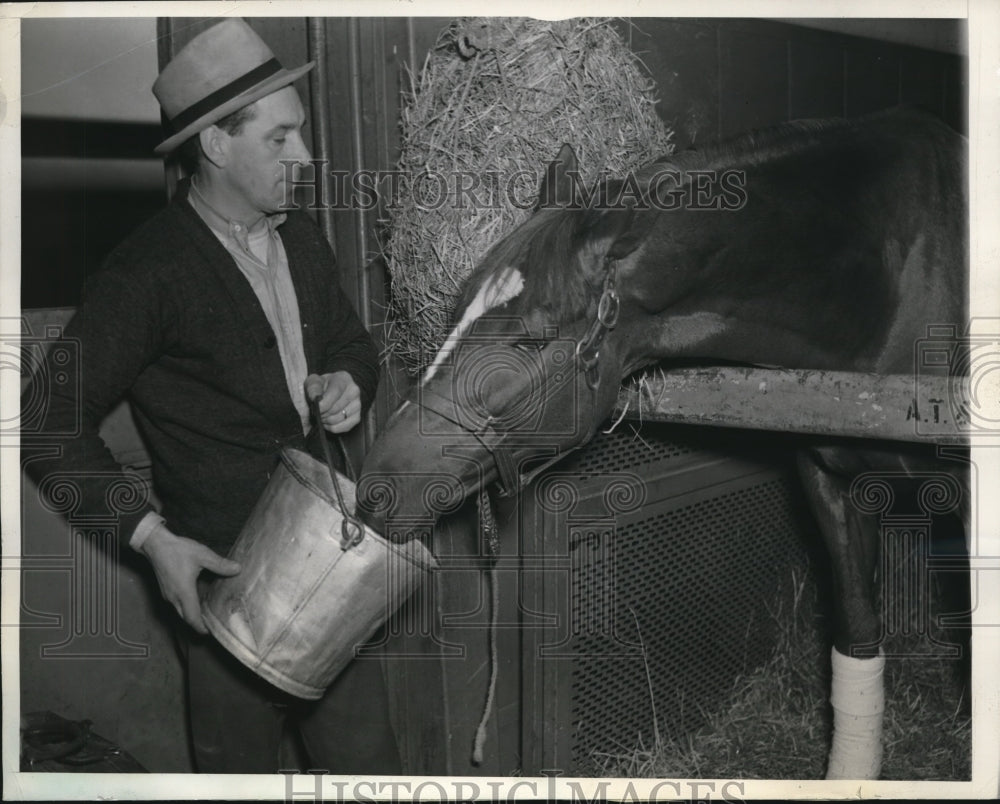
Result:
x=858 y=698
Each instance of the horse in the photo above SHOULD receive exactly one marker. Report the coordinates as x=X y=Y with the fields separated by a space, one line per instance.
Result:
x=827 y=245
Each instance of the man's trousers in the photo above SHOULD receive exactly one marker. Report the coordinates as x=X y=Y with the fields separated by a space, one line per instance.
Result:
x=238 y=720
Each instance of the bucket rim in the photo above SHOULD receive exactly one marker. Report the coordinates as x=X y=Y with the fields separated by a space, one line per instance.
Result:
x=418 y=554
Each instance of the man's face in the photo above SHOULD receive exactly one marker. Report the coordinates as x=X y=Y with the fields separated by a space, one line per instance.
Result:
x=253 y=169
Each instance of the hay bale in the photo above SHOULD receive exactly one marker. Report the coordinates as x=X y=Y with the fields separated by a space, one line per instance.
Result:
x=496 y=99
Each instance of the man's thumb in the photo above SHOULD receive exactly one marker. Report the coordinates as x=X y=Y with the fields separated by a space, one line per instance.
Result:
x=221 y=566
x=314 y=387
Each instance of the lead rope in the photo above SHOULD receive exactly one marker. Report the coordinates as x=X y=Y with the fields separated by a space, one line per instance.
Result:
x=492 y=540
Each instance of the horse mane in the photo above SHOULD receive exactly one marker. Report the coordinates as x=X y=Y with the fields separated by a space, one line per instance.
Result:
x=762 y=145
x=765 y=145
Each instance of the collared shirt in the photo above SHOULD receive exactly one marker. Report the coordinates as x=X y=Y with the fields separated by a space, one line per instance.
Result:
x=260 y=256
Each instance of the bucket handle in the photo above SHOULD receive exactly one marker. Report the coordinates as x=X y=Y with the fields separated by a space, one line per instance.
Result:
x=349 y=523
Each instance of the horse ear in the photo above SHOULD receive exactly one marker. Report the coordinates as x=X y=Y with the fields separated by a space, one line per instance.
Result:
x=558 y=187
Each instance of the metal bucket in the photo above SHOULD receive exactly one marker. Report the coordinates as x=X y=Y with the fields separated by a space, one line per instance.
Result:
x=305 y=598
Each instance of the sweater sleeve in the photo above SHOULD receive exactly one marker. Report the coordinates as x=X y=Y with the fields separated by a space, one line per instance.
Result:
x=115 y=332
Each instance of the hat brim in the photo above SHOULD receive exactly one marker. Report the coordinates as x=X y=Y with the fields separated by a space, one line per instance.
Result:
x=272 y=84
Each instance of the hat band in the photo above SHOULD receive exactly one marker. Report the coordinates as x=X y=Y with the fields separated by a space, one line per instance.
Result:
x=224 y=94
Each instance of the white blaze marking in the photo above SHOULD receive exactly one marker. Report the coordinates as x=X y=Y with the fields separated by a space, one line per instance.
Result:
x=503 y=287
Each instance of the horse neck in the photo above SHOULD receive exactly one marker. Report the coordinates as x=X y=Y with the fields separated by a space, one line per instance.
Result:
x=850 y=244
x=802 y=280
x=704 y=332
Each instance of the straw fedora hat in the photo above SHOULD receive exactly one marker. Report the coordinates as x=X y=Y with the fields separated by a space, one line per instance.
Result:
x=219 y=71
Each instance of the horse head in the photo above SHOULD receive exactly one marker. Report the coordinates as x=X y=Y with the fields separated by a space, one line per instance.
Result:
x=532 y=366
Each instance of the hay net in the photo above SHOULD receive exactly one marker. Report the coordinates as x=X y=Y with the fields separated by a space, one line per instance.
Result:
x=496 y=99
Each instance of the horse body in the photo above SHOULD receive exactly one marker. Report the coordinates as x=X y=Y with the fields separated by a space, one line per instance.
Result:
x=815 y=245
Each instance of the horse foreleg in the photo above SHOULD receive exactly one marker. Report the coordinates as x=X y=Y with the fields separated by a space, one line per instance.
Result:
x=857 y=692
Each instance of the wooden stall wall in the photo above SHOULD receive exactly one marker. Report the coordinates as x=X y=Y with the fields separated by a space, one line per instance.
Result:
x=719 y=77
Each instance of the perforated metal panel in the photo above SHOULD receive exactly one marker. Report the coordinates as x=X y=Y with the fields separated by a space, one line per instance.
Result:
x=697 y=579
x=680 y=586
x=627 y=449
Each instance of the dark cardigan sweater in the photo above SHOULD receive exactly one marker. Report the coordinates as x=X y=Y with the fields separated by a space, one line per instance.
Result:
x=171 y=322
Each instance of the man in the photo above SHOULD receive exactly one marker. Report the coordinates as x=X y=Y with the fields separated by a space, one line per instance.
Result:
x=219 y=318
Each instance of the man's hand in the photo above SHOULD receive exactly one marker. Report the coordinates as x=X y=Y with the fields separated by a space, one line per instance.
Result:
x=339 y=400
x=177 y=563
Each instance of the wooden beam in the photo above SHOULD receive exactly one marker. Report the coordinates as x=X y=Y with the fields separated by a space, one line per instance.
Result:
x=893 y=407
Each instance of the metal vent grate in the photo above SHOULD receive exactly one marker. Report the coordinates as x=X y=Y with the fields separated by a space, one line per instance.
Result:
x=626 y=449
x=699 y=579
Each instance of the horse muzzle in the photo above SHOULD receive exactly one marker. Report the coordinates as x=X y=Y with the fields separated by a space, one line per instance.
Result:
x=416 y=472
